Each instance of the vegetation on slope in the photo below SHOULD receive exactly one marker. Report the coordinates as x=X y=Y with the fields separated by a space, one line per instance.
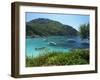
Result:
x=47 y=27
x=74 y=57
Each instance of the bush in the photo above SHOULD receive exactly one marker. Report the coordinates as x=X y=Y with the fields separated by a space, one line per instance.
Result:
x=73 y=57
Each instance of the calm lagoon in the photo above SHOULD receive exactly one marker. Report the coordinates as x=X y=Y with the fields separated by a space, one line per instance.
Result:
x=36 y=46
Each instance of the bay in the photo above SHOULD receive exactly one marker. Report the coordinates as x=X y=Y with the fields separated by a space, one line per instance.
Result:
x=36 y=46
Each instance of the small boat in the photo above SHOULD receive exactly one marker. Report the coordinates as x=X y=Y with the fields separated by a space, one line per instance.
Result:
x=85 y=42
x=52 y=43
x=41 y=48
x=44 y=39
x=71 y=40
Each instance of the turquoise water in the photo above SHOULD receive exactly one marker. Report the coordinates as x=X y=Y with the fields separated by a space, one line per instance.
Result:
x=35 y=46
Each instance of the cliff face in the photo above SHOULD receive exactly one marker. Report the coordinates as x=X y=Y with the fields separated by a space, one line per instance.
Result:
x=47 y=27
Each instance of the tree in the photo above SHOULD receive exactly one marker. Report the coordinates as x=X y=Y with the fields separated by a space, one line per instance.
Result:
x=84 y=31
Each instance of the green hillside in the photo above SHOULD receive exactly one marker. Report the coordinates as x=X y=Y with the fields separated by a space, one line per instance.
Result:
x=46 y=27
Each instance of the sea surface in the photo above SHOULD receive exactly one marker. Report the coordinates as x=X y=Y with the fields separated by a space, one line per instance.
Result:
x=36 y=46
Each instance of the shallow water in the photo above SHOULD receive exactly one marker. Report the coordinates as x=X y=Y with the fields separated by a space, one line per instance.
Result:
x=35 y=46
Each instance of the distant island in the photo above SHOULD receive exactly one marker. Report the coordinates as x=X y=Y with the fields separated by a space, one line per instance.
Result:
x=41 y=27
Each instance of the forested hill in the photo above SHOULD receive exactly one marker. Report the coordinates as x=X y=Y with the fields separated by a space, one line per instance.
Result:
x=47 y=27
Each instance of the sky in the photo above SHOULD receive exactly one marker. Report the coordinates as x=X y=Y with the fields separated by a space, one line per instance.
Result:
x=68 y=19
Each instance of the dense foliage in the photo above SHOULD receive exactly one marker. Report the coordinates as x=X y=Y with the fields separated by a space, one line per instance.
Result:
x=84 y=31
x=47 y=27
x=73 y=57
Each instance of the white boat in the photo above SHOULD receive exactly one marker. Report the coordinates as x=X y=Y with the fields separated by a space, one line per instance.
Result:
x=71 y=40
x=52 y=43
x=44 y=39
x=85 y=41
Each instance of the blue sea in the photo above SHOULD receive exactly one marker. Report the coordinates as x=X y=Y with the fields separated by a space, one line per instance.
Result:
x=36 y=46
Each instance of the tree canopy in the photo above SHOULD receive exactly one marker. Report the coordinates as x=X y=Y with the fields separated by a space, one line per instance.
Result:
x=84 y=31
